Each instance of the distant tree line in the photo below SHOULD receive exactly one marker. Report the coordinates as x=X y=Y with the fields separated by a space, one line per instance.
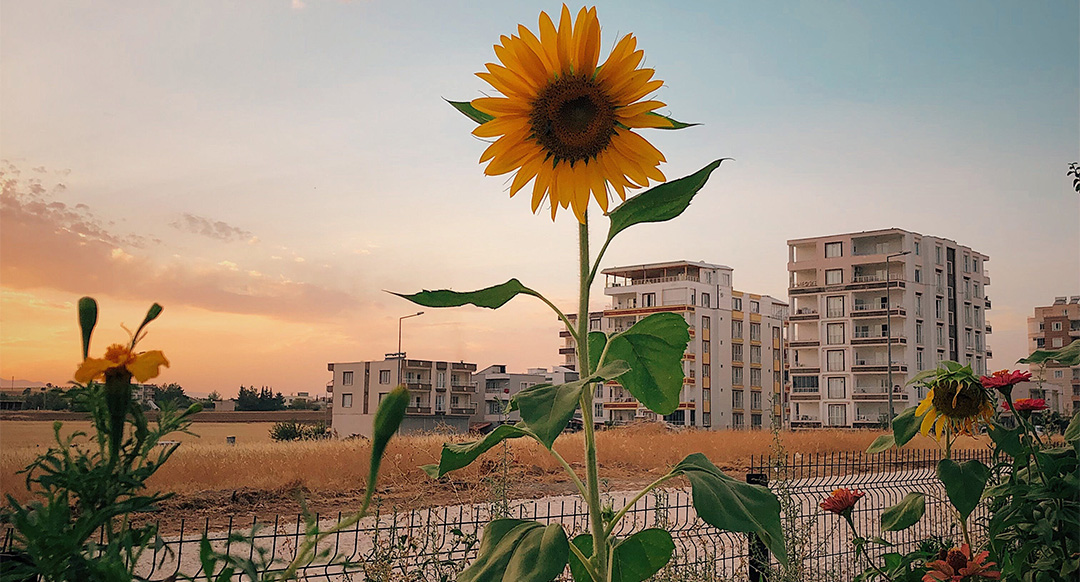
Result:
x=261 y=399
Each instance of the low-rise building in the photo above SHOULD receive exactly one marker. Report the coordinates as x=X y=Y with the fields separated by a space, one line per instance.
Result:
x=495 y=387
x=1053 y=327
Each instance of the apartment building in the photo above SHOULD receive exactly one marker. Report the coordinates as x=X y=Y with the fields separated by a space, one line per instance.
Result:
x=854 y=297
x=1053 y=327
x=732 y=366
x=495 y=387
x=440 y=393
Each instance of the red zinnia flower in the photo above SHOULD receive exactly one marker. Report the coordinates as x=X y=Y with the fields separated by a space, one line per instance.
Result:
x=956 y=565
x=1027 y=405
x=1004 y=379
x=842 y=500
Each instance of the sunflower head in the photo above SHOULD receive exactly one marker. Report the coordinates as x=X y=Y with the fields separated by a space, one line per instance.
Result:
x=565 y=121
x=956 y=401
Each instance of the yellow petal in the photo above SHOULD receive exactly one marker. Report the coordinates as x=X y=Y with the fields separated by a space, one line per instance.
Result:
x=534 y=45
x=549 y=40
x=528 y=170
x=638 y=108
x=92 y=368
x=501 y=106
x=645 y=121
x=927 y=422
x=622 y=60
x=502 y=125
x=147 y=365
x=939 y=429
x=566 y=37
x=587 y=41
x=926 y=403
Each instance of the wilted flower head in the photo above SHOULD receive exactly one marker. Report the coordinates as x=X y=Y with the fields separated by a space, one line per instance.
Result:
x=1004 y=380
x=842 y=500
x=957 y=565
x=954 y=405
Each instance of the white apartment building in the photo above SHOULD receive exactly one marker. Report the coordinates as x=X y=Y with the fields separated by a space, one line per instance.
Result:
x=495 y=386
x=732 y=366
x=845 y=292
x=1054 y=327
x=440 y=394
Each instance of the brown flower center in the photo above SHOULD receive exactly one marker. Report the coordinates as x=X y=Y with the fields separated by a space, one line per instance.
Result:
x=573 y=119
x=956 y=559
x=968 y=403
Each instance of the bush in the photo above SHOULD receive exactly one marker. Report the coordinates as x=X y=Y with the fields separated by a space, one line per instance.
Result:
x=290 y=430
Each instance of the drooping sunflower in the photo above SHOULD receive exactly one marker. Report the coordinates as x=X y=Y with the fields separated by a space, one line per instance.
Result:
x=954 y=405
x=566 y=123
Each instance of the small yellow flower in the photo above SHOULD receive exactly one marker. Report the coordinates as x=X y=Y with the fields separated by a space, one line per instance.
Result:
x=954 y=406
x=142 y=366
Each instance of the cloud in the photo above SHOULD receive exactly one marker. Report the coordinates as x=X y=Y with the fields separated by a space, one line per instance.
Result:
x=46 y=244
x=215 y=229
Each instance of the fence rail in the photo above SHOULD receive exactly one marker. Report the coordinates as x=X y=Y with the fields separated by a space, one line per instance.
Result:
x=435 y=543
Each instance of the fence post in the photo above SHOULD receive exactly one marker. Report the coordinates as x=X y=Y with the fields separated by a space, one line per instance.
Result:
x=759 y=552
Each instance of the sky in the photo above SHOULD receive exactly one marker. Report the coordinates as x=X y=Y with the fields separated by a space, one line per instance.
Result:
x=266 y=170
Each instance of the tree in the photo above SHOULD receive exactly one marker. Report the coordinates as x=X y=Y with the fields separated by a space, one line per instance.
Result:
x=171 y=395
x=262 y=399
x=213 y=396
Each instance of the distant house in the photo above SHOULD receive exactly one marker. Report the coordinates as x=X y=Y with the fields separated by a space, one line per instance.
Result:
x=225 y=405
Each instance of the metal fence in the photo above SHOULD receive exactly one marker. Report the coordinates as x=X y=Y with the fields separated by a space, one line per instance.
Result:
x=436 y=543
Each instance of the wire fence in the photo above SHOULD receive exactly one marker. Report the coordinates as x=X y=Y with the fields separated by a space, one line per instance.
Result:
x=436 y=543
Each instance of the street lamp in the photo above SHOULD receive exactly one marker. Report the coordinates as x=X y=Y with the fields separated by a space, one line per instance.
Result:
x=400 y=355
x=888 y=327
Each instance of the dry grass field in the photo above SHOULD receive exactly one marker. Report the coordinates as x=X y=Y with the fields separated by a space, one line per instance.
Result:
x=18 y=434
x=261 y=477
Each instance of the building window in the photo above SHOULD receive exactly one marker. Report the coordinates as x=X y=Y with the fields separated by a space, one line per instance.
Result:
x=919 y=360
x=918 y=305
x=706 y=419
x=347 y=378
x=736 y=329
x=736 y=352
x=937 y=254
x=737 y=376
x=705 y=302
x=755 y=354
x=706 y=370
x=755 y=377
x=1056 y=342
x=1055 y=326
x=648 y=299
x=837 y=388
x=736 y=398
x=706 y=322
x=736 y=303
x=706 y=347
x=834 y=333
x=755 y=332
x=346 y=400
x=737 y=420
x=918 y=275
x=384 y=376
x=834 y=306
x=939 y=308
x=837 y=415
x=918 y=332
x=833 y=250
x=975 y=264
x=755 y=306
x=493 y=407
x=755 y=400
x=835 y=359
x=917 y=249
x=834 y=276
x=804 y=383
x=940 y=334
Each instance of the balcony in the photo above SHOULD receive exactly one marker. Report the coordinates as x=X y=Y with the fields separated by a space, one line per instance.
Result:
x=871 y=249
x=567 y=351
x=804 y=314
x=990 y=328
x=458 y=388
x=802 y=396
x=415 y=385
x=468 y=410
x=417 y=410
x=805 y=421
x=871 y=310
x=872 y=367
x=873 y=340
x=805 y=369
x=564 y=333
x=877 y=394
x=805 y=343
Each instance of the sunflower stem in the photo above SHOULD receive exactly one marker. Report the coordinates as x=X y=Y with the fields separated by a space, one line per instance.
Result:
x=599 y=557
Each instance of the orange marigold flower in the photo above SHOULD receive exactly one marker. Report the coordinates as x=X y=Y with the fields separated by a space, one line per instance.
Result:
x=842 y=500
x=142 y=366
x=957 y=565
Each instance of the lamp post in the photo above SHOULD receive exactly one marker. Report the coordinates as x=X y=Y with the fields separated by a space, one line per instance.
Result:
x=888 y=327
x=400 y=355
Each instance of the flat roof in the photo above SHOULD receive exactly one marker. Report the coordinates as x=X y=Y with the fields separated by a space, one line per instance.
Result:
x=664 y=265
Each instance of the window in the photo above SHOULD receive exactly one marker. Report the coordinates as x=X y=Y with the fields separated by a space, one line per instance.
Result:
x=755 y=377
x=706 y=347
x=736 y=398
x=705 y=300
x=736 y=303
x=755 y=354
x=706 y=419
x=835 y=359
x=834 y=306
x=937 y=254
x=1056 y=343
x=939 y=279
x=755 y=400
x=736 y=329
x=918 y=305
x=347 y=378
x=755 y=332
x=837 y=415
x=706 y=395
x=918 y=275
x=1059 y=374
x=967 y=263
x=975 y=288
x=706 y=370
x=755 y=306
x=834 y=276
x=804 y=383
x=440 y=380
x=598 y=410
x=493 y=407
x=917 y=250
x=648 y=299
x=834 y=333
x=939 y=308
x=736 y=352
x=919 y=360
x=737 y=376
x=594 y=325
x=440 y=402
x=737 y=420
x=706 y=322
x=1055 y=326
x=837 y=388
x=384 y=376
x=975 y=264
x=918 y=332
x=833 y=250
x=940 y=334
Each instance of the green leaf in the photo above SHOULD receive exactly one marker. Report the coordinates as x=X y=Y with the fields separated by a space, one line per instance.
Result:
x=470 y=111
x=151 y=314
x=904 y=514
x=1007 y=439
x=905 y=426
x=597 y=341
x=546 y=409
x=578 y=571
x=87 y=320
x=733 y=505
x=674 y=124
x=1072 y=432
x=1066 y=356
x=388 y=418
x=641 y=555
x=513 y=550
x=457 y=455
x=660 y=203
x=882 y=443
x=653 y=348
x=964 y=483
x=490 y=297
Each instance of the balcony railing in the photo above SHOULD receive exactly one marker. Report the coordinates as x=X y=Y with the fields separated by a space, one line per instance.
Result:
x=863 y=250
x=417 y=410
x=460 y=388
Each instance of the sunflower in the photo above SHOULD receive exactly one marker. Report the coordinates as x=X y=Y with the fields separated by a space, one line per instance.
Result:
x=954 y=405
x=566 y=123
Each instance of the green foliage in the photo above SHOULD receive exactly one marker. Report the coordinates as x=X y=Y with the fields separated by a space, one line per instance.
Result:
x=52 y=399
x=674 y=124
x=633 y=559
x=1066 y=356
x=653 y=348
x=905 y=427
x=458 y=455
x=490 y=297
x=964 y=483
x=904 y=514
x=733 y=505
x=660 y=203
x=514 y=550
x=290 y=430
x=546 y=409
x=471 y=112
x=88 y=313
x=259 y=400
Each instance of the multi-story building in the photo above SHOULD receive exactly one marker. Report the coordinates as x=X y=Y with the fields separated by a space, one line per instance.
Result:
x=440 y=393
x=495 y=387
x=1054 y=327
x=854 y=295
x=732 y=366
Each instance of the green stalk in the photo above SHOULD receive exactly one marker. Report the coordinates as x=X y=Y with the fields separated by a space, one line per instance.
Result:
x=592 y=479
x=630 y=504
